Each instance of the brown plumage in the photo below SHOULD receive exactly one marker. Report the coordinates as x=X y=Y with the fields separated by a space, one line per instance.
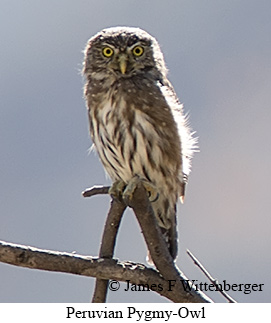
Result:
x=136 y=121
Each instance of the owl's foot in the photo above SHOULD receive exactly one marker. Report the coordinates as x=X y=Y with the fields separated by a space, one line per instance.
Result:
x=131 y=186
x=120 y=190
x=116 y=190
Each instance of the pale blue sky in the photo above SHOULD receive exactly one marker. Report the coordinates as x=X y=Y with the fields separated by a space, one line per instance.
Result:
x=218 y=55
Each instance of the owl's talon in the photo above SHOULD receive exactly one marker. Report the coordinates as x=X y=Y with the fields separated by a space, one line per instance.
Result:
x=153 y=195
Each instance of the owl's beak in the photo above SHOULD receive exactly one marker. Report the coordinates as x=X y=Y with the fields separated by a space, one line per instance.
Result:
x=123 y=64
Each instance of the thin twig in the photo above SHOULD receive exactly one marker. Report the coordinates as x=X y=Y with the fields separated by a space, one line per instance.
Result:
x=207 y=274
x=95 y=190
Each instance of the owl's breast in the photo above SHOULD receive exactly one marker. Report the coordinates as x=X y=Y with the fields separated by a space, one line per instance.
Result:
x=129 y=143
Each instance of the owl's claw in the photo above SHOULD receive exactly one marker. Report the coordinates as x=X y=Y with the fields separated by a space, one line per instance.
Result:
x=131 y=186
x=153 y=194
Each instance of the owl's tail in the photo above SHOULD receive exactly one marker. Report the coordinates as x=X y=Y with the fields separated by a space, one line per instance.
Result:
x=171 y=238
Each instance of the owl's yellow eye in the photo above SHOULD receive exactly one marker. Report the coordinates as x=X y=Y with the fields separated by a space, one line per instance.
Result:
x=108 y=52
x=138 y=51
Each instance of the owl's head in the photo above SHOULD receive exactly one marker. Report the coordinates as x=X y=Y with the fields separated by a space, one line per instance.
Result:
x=123 y=52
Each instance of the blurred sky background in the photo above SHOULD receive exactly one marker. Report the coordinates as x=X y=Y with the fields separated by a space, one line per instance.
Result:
x=219 y=59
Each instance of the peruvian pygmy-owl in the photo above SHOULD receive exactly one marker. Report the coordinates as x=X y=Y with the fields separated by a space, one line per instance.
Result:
x=136 y=121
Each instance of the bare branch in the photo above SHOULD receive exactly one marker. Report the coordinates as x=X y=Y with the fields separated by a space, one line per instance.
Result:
x=30 y=257
x=109 y=237
x=95 y=190
x=158 y=248
x=108 y=245
x=212 y=280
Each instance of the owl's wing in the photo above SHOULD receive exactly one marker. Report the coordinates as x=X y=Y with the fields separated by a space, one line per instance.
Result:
x=188 y=142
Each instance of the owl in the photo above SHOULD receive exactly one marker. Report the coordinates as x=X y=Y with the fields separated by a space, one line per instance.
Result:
x=137 y=123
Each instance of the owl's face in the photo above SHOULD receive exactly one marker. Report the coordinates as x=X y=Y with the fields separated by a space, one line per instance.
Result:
x=122 y=52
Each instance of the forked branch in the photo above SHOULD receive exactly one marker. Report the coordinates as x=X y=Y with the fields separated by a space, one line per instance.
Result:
x=104 y=268
x=156 y=246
